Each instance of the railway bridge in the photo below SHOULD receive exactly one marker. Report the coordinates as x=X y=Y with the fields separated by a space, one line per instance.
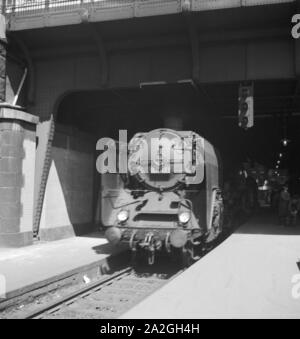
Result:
x=72 y=71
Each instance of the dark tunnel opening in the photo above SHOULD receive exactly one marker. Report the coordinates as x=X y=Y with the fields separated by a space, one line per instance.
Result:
x=209 y=110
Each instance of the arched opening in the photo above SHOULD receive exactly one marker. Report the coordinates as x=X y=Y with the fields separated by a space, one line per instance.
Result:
x=210 y=110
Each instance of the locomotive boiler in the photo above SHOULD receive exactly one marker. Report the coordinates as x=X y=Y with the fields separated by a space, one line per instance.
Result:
x=170 y=198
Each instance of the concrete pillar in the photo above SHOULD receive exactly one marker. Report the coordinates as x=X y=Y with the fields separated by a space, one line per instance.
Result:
x=17 y=164
x=2 y=59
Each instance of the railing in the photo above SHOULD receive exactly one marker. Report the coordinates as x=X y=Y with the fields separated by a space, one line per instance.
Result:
x=29 y=7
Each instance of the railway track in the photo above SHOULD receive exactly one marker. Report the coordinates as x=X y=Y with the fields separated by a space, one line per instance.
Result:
x=107 y=298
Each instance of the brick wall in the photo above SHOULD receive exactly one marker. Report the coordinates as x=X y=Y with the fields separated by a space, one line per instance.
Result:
x=17 y=159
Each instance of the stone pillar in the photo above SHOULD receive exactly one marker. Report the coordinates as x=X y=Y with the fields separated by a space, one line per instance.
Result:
x=2 y=59
x=17 y=164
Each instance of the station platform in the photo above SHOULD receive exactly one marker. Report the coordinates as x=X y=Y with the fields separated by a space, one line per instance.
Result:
x=249 y=275
x=29 y=268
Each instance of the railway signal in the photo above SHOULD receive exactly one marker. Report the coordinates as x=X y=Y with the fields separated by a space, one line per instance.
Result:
x=246 y=107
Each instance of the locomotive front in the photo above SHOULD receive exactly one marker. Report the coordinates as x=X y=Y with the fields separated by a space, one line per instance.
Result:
x=170 y=198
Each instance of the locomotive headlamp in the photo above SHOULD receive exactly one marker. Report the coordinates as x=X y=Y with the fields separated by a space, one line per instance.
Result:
x=123 y=216
x=184 y=217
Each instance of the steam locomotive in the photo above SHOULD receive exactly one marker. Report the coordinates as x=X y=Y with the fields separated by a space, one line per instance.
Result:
x=169 y=200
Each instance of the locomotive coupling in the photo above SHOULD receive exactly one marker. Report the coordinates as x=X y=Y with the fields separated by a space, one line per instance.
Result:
x=176 y=238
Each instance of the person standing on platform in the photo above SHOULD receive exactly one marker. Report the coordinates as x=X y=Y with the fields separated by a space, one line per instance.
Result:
x=283 y=209
x=294 y=208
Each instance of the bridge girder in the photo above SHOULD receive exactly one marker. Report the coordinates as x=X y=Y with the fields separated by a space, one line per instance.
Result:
x=232 y=45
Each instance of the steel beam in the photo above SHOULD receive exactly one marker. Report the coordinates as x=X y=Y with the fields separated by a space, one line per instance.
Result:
x=30 y=65
x=101 y=49
x=165 y=41
x=195 y=48
x=31 y=16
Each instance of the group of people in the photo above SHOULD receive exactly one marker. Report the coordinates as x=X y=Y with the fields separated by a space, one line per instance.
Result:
x=240 y=196
x=288 y=207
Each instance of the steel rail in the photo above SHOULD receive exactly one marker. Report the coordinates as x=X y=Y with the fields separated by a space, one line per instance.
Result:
x=53 y=306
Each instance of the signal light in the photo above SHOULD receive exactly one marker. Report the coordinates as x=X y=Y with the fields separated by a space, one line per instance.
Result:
x=246 y=107
x=285 y=142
